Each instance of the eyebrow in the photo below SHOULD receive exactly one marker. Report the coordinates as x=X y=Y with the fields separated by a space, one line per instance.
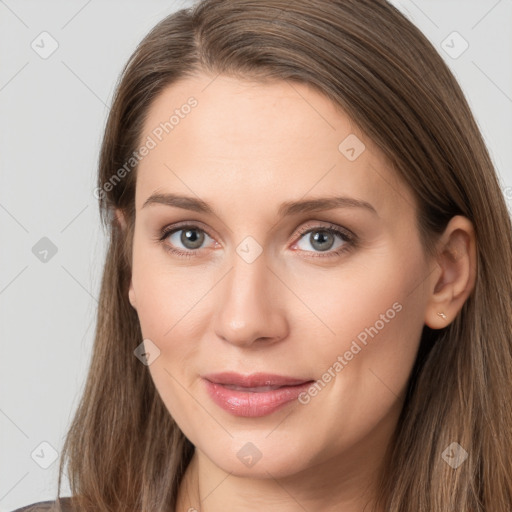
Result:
x=286 y=209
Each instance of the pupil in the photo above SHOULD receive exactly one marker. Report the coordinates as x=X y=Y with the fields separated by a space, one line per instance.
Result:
x=321 y=236
x=191 y=239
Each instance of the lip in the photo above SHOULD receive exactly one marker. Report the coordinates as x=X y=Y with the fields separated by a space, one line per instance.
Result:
x=253 y=395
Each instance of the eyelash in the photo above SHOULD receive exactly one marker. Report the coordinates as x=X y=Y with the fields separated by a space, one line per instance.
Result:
x=347 y=236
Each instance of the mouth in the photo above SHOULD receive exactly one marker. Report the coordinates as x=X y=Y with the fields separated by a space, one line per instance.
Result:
x=253 y=395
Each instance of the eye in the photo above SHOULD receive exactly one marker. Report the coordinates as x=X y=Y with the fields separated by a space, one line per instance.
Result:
x=331 y=240
x=189 y=237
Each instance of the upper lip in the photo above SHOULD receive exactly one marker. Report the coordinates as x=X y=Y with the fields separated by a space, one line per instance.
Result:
x=254 y=380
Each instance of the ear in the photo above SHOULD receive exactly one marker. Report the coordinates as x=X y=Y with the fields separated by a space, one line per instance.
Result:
x=122 y=222
x=454 y=278
x=131 y=295
x=120 y=218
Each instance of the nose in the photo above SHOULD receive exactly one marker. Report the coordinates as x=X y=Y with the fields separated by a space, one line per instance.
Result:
x=251 y=309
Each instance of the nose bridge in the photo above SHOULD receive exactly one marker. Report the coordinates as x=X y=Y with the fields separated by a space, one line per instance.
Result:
x=247 y=284
x=247 y=309
x=249 y=275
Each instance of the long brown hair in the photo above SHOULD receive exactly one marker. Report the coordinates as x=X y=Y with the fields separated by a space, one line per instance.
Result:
x=124 y=450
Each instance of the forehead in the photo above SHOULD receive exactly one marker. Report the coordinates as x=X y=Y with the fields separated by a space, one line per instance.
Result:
x=222 y=138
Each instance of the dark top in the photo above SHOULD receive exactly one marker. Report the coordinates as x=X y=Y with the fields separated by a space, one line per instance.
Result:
x=47 y=506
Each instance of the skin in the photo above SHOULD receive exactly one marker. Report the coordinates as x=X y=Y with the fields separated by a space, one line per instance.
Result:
x=246 y=148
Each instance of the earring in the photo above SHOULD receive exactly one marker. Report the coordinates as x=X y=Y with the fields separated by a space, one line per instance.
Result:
x=442 y=315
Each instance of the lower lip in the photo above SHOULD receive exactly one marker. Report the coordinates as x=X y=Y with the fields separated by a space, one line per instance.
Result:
x=253 y=404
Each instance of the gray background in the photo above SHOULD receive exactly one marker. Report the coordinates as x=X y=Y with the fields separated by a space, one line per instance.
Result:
x=52 y=113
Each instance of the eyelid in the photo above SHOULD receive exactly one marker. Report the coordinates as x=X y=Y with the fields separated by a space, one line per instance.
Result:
x=171 y=228
x=329 y=226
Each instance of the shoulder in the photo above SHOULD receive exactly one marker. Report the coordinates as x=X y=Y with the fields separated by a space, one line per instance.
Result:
x=48 y=506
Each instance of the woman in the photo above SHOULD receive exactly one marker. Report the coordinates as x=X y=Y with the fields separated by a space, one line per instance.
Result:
x=306 y=302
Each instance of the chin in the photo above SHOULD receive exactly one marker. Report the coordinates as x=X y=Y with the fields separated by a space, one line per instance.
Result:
x=258 y=459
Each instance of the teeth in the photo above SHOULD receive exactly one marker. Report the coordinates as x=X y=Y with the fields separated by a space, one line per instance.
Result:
x=254 y=390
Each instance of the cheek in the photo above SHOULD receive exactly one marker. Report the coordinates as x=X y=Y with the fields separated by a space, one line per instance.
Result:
x=374 y=312
x=167 y=302
x=369 y=293
x=166 y=294
x=377 y=319
x=384 y=321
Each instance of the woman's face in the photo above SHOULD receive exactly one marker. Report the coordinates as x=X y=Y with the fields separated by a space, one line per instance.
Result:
x=274 y=276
